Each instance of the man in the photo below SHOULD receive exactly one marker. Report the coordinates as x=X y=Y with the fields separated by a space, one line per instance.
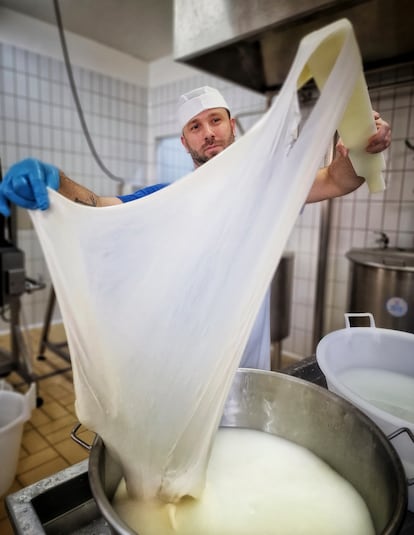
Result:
x=207 y=129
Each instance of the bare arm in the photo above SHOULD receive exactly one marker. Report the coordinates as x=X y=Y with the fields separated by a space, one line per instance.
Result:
x=339 y=178
x=77 y=193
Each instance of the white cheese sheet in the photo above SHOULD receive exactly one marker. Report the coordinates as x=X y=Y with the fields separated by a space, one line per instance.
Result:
x=158 y=296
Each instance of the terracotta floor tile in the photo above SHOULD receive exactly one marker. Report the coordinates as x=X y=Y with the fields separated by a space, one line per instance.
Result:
x=27 y=426
x=3 y=512
x=14 y=488
x=41 y=368
x=39 y=418
x=87 y=436
x=42 y=471
x=60 y=434
x=45 y=397
x=46 y=372
x=36 y=459
x=54 y=410
x=5 y=527
x=58 y=391
x=68 y=399
x=33 y=441
x=71 y=451
x=13 y=378
x=55 y=425
x=22 y=453
x=71 y=409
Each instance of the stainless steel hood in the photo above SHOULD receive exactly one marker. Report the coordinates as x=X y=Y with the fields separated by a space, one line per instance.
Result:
x=253 y=42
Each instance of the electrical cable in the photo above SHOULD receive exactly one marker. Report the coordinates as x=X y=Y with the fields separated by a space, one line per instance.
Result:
x=76 y=97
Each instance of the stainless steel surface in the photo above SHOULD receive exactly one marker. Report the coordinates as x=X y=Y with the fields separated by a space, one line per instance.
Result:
x=281 y=299
x=253 y=43
x=104 y=477
x=77 y=439
x=58 y=505
x=386 y=258
x=382 y=282
x=280 y=307
x=305 y=414
x=410 y=435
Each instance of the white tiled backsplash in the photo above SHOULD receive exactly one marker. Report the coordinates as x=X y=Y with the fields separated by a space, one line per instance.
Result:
x=38 y=119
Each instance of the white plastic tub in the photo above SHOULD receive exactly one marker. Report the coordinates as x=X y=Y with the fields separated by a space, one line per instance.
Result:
x=15 y=409
x=383 y=350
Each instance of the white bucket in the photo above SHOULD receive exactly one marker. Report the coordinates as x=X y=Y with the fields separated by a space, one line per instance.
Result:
x=378 y=349
x=15 y=410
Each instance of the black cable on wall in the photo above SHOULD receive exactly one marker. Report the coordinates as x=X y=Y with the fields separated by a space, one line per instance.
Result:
x=75 y=95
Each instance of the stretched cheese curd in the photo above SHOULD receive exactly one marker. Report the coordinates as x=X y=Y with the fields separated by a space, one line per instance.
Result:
x=186 y=270
x=257 y=483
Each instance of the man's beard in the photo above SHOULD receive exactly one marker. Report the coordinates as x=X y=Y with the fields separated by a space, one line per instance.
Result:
x=200 y=158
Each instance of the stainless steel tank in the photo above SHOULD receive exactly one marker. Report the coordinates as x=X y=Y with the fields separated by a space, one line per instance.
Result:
x=281 y=298
x=382 y=282
x=280 y=307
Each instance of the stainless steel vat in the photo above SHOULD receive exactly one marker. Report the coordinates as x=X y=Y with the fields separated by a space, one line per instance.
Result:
x=382 y=282
x=308 y=415
x=281 y=299
x=280 y=307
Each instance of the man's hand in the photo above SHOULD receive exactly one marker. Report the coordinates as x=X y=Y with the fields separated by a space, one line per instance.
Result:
x=339 y=178
x=378 y=142
x=25 y=184
x=382 y=139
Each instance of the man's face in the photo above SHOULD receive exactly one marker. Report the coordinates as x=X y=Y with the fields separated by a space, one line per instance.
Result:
x=207 y=134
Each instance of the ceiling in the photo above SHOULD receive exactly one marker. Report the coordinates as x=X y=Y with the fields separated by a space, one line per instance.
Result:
x=141 y=28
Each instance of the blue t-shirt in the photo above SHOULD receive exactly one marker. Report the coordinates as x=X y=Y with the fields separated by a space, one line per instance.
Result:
x=142 y=192
x=257 y=351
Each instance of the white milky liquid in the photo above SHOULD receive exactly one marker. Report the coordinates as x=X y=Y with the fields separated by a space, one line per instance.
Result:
x=389 y=391
x=257 y=484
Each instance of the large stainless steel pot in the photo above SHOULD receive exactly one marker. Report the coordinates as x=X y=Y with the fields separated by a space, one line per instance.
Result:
x=309 y=415
x=382 y=282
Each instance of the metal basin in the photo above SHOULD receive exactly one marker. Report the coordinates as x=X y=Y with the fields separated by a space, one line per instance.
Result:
x=308 y=415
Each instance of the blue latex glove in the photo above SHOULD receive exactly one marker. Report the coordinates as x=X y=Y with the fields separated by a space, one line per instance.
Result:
x=25 y=184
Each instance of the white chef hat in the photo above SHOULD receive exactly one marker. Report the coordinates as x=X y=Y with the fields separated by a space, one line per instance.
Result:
x=192 y=103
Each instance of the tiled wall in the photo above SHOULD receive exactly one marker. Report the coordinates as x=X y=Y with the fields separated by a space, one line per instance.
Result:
x=38 y=119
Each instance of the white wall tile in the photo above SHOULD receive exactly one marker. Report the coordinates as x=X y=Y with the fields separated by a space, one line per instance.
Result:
x=359 y=238
x=21 y=85
x=394 y=186
x=375 y=216
x=391 y=217
x=9 y=81
x=407 y=217
x=8 y=56
x=9 y=107
x=408 y=187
